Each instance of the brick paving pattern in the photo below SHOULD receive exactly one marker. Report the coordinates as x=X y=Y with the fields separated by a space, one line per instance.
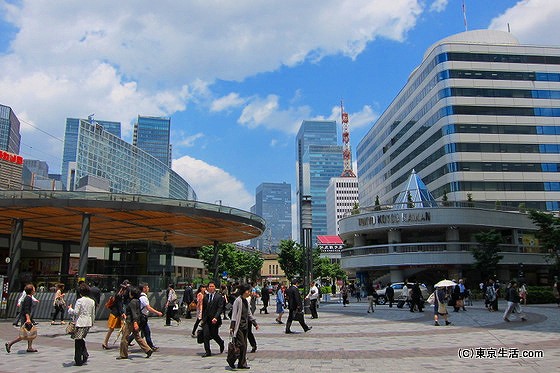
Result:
x=343 y=339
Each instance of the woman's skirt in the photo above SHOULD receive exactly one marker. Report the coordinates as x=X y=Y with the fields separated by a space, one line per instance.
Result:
x=279 y=308
x=81 y=332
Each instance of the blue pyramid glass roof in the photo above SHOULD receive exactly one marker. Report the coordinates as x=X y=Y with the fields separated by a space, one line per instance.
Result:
x=419 y=194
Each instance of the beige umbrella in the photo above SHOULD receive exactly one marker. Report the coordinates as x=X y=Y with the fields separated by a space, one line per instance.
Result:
x=444 y=284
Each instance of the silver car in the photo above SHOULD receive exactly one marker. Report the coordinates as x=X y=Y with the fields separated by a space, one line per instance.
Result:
x=398 y=287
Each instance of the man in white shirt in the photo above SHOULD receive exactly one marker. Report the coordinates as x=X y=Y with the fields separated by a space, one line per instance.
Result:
x=313 y=296
x=145 y=310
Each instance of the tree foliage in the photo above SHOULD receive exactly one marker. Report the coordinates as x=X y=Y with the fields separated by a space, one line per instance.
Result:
x=548 y=235
x=486 y=254
x=237 y=263
x=291 y=259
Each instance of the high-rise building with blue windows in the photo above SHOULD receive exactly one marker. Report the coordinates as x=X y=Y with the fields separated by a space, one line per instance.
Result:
x=105 y=162
x=152 y=134
x=318 y=159
x=71 y=144
x=273 y=202
x=10 y=137
x=479 y=116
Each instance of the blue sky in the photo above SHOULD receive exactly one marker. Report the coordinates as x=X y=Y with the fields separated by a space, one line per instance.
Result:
x=236 y=77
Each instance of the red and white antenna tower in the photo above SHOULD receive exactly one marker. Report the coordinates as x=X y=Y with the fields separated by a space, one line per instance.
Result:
x=346 y=153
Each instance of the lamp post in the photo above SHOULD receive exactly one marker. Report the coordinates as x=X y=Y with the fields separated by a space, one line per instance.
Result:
x=306 y=243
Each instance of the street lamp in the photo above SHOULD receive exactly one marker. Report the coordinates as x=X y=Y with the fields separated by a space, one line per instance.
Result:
x=306 y=243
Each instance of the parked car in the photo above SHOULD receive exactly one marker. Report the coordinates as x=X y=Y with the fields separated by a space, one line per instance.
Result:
x=398 y=287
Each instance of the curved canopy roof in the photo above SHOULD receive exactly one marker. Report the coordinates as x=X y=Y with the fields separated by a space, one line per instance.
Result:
x=57 y=216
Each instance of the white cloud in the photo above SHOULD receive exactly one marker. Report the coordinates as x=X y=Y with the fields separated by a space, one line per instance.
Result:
x=532 y=22
x=362 y=118
x=188 y=141
x=266 y=112
x=121 y=59
x=229 y=101
x=213 y=184
x=438 y=5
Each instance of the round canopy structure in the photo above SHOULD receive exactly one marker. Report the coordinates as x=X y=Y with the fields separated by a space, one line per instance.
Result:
x=57 y=216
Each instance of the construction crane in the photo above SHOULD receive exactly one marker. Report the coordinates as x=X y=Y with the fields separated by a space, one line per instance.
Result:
x=346 y=152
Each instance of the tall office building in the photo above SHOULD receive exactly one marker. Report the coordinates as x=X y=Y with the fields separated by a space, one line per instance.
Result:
x=342 y=197
x=10 y=137
x=480 y=115
x=318 y=159
x=71 y=144
x=152 y=134
x=273 y=202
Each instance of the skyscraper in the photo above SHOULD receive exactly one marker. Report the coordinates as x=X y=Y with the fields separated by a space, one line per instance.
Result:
x=273 y=202
x=10 y=137
x=318 y=159
x=71 y=144
x=152 y=134
x=479 y=116
x=342 y=197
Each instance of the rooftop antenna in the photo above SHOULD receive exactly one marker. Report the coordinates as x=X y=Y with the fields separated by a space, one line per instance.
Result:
x=509 y=30
x=346 y=153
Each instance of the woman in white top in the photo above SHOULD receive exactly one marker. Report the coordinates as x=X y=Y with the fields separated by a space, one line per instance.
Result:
x=83 y=315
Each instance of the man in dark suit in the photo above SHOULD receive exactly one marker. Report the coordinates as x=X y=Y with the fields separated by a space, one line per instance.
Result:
x=212 y=308
x=295 y=305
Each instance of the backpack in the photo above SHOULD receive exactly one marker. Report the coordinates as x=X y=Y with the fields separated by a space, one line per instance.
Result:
x=110 y=302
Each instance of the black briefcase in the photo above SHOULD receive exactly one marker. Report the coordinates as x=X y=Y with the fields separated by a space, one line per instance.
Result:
x=199 y=336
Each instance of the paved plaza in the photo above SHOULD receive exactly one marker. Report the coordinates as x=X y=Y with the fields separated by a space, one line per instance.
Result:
x=343 y=339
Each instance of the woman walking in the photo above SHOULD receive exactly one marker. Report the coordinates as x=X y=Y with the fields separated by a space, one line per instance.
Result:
x=83 y=315
x=280 y=303
x=132 y=326
x=239 y=328
x=59 y=304
x=116 y=313
x=199 y=299
x=440 y=306
x=25 y=317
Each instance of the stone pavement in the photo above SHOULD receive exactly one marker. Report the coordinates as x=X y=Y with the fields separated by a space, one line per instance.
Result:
x=343 y=339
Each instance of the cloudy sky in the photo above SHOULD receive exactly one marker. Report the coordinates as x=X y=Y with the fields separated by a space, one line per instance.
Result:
x=236 y=77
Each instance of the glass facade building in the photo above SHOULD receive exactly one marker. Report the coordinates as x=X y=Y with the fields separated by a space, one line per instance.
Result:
x=125 y=167
x=152 y=134
x=71 y=144
x=10 y=137
x=318 y=159
x=479 y=116
x=273 y=202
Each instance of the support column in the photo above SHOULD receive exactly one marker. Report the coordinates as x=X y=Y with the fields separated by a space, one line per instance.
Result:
x=215 y=263
x=452 y=235
x=65 y=263
x=393 y=237
x=84 y=246
x=359 y=240
x=16 y=240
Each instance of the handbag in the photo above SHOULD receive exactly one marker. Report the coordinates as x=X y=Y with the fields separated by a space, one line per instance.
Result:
x=28 y=332
x=192 y=306
x=233 y=351
x=432 y=298
x=71 y=328
x=200 y=336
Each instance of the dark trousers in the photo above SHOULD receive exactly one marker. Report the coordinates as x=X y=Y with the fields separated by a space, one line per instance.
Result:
x=313 y=308
x=418 y=303
x=298 y=316
x=251 y=338
x=195 y=325
x=58 y=309
x=265 y=306
x=80 y=351
x=240 y=340
x=170 y=313
x=211 y=333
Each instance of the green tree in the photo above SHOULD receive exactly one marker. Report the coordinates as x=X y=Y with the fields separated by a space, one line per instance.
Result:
x=445 y=199
x=237 y=263
x=355 y=209
x=410 y=202
x=291 y=258
x=486 y=254
x=470 y=200
x=377 y=205
x=548 y=235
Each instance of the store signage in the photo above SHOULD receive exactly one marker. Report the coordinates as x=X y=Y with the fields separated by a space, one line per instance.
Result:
x=10 y=157
x=395 y=218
